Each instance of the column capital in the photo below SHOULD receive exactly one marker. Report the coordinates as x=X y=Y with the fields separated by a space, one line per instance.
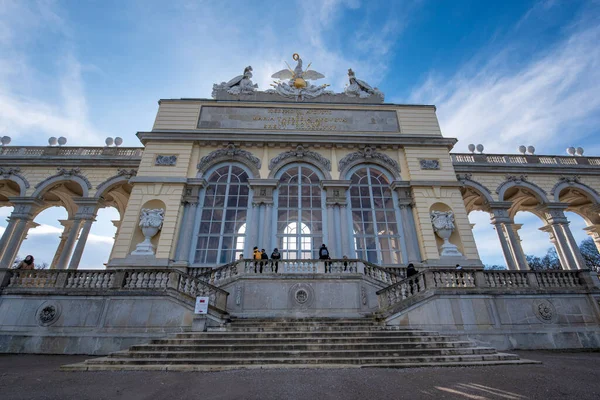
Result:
x=554 y=212
x=335 y=192
x=87 y=207
x=24 y=207
x=263 y=190
x=499 y=212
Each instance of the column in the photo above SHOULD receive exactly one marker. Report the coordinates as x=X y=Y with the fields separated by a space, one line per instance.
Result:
x=507 y=234
x=85 y=231
x=21 y=220
x=332 y=230
x=82 y=222
x=67 y=225
x=258 y=232
x=559 y=252
x=515 y=244
x=266 y=239
x=344 y=230
x=407 y=221
x=564 y=238
x=7 y=235
x=593 y=231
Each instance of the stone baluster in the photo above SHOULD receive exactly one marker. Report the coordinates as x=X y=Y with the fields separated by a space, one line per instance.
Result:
x=22 y=215
x=565 y=242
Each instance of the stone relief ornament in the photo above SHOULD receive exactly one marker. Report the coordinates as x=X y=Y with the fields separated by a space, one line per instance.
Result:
x=368 y=154
x=358 y=88
x=162 y=159
x=67 y=173
x=430 y=164
x=151 y=221
x=47 y=313
x=545 y=311
x=443 y=226
x=300 y=152
x=229 y=152
x=241 y=84
x=297 y=85
x=7 y=172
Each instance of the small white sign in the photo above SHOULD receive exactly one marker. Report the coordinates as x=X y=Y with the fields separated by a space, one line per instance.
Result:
x=201 y=305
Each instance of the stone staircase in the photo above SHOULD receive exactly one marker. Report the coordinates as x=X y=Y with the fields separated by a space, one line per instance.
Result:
x=300 y=343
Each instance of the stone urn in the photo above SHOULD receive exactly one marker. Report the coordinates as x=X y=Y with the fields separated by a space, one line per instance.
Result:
x=151 y=221
x=443 y=226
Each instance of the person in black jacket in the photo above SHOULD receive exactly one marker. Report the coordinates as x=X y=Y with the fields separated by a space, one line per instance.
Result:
x=275 y=257
x=410 y=270
x=324 y=255
x=263 y=257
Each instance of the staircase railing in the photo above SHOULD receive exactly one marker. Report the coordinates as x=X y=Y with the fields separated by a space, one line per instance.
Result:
x=469 y=280
x=110 y=281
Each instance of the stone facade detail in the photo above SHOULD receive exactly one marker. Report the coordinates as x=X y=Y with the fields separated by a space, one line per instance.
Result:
x=5 y=173
x=241 y=84
x=165 y=160
x=368 y=153
x=300 y=153
x=230 y=152
x=301 y=296
x=545 y=311
x=429 y=164
x=63 y=172
x=151 y=221
x=47 y=313
x=443 y=226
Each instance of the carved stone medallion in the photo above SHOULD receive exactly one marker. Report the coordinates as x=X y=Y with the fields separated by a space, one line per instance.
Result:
x=47 y=313
x=545 y=311
x=301 y=296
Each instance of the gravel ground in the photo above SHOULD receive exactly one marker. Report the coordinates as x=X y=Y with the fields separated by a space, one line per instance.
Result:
x=563 y=375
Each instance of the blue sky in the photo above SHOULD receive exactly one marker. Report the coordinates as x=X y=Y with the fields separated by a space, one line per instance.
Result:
x=501 y=73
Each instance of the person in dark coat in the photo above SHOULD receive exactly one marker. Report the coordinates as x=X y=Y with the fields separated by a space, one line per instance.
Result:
x=324 y=255
x=411 y=270
x=264 y=259
x=275 y=257
x=27 y=263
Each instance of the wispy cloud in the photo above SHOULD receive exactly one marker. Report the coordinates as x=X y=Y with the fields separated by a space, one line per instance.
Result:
x=36 y=103
x=505 y=102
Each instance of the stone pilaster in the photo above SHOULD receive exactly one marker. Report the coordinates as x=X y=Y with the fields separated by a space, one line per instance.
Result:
x=259 y=232
x=335 y=200
x=408 y=228
x=190 y=201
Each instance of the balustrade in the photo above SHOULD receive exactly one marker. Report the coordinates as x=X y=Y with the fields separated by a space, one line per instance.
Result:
x=89 y=279
x=506 y=279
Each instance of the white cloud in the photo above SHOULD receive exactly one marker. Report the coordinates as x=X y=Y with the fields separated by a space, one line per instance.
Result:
x=40 y=101
x=504 y=103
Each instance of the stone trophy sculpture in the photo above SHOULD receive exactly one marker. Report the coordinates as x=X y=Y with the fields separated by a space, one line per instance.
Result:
x=297 y=85
x=241 y=84
x=151 y=221
x=443 y=226
x=358 y=88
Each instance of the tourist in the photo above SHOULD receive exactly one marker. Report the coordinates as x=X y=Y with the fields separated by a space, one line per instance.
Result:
x=257 y=255
x=26 y=263
x=263 y=257
x=345 y=258
x=411 y=270
x=275 y=257
x=324 y=255
x=458 y=266
x=241 y=257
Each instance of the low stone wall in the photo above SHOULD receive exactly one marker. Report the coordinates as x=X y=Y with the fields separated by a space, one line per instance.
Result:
x=503 y=309
x=59 y=324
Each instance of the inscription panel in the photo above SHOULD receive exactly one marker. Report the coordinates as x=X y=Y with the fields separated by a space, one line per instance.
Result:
x=298 y=119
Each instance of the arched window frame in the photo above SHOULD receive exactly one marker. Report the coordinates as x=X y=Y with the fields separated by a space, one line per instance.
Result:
x=201 y=206
x=403 y=256
x=278 y=237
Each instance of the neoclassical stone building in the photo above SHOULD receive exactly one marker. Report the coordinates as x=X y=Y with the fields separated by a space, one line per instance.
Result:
x=292 y=168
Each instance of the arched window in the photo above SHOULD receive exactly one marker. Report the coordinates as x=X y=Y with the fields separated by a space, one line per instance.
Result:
x=374 y=221
x=222 y=230
x=299 y=213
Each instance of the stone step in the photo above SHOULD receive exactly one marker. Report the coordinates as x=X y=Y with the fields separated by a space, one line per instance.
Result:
x=301 y=328
x=301 y=322
x=205 y=368
x=384 y=360
x=290 y=334
x=243 y=354
x=234 y=347
x=306 y=339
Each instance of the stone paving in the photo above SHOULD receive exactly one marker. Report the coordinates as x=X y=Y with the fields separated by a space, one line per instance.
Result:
x=563 y=375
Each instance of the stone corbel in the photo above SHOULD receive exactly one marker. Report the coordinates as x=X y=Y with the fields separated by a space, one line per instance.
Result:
x=335 y=192
x=404 y=192
x=191 y=193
